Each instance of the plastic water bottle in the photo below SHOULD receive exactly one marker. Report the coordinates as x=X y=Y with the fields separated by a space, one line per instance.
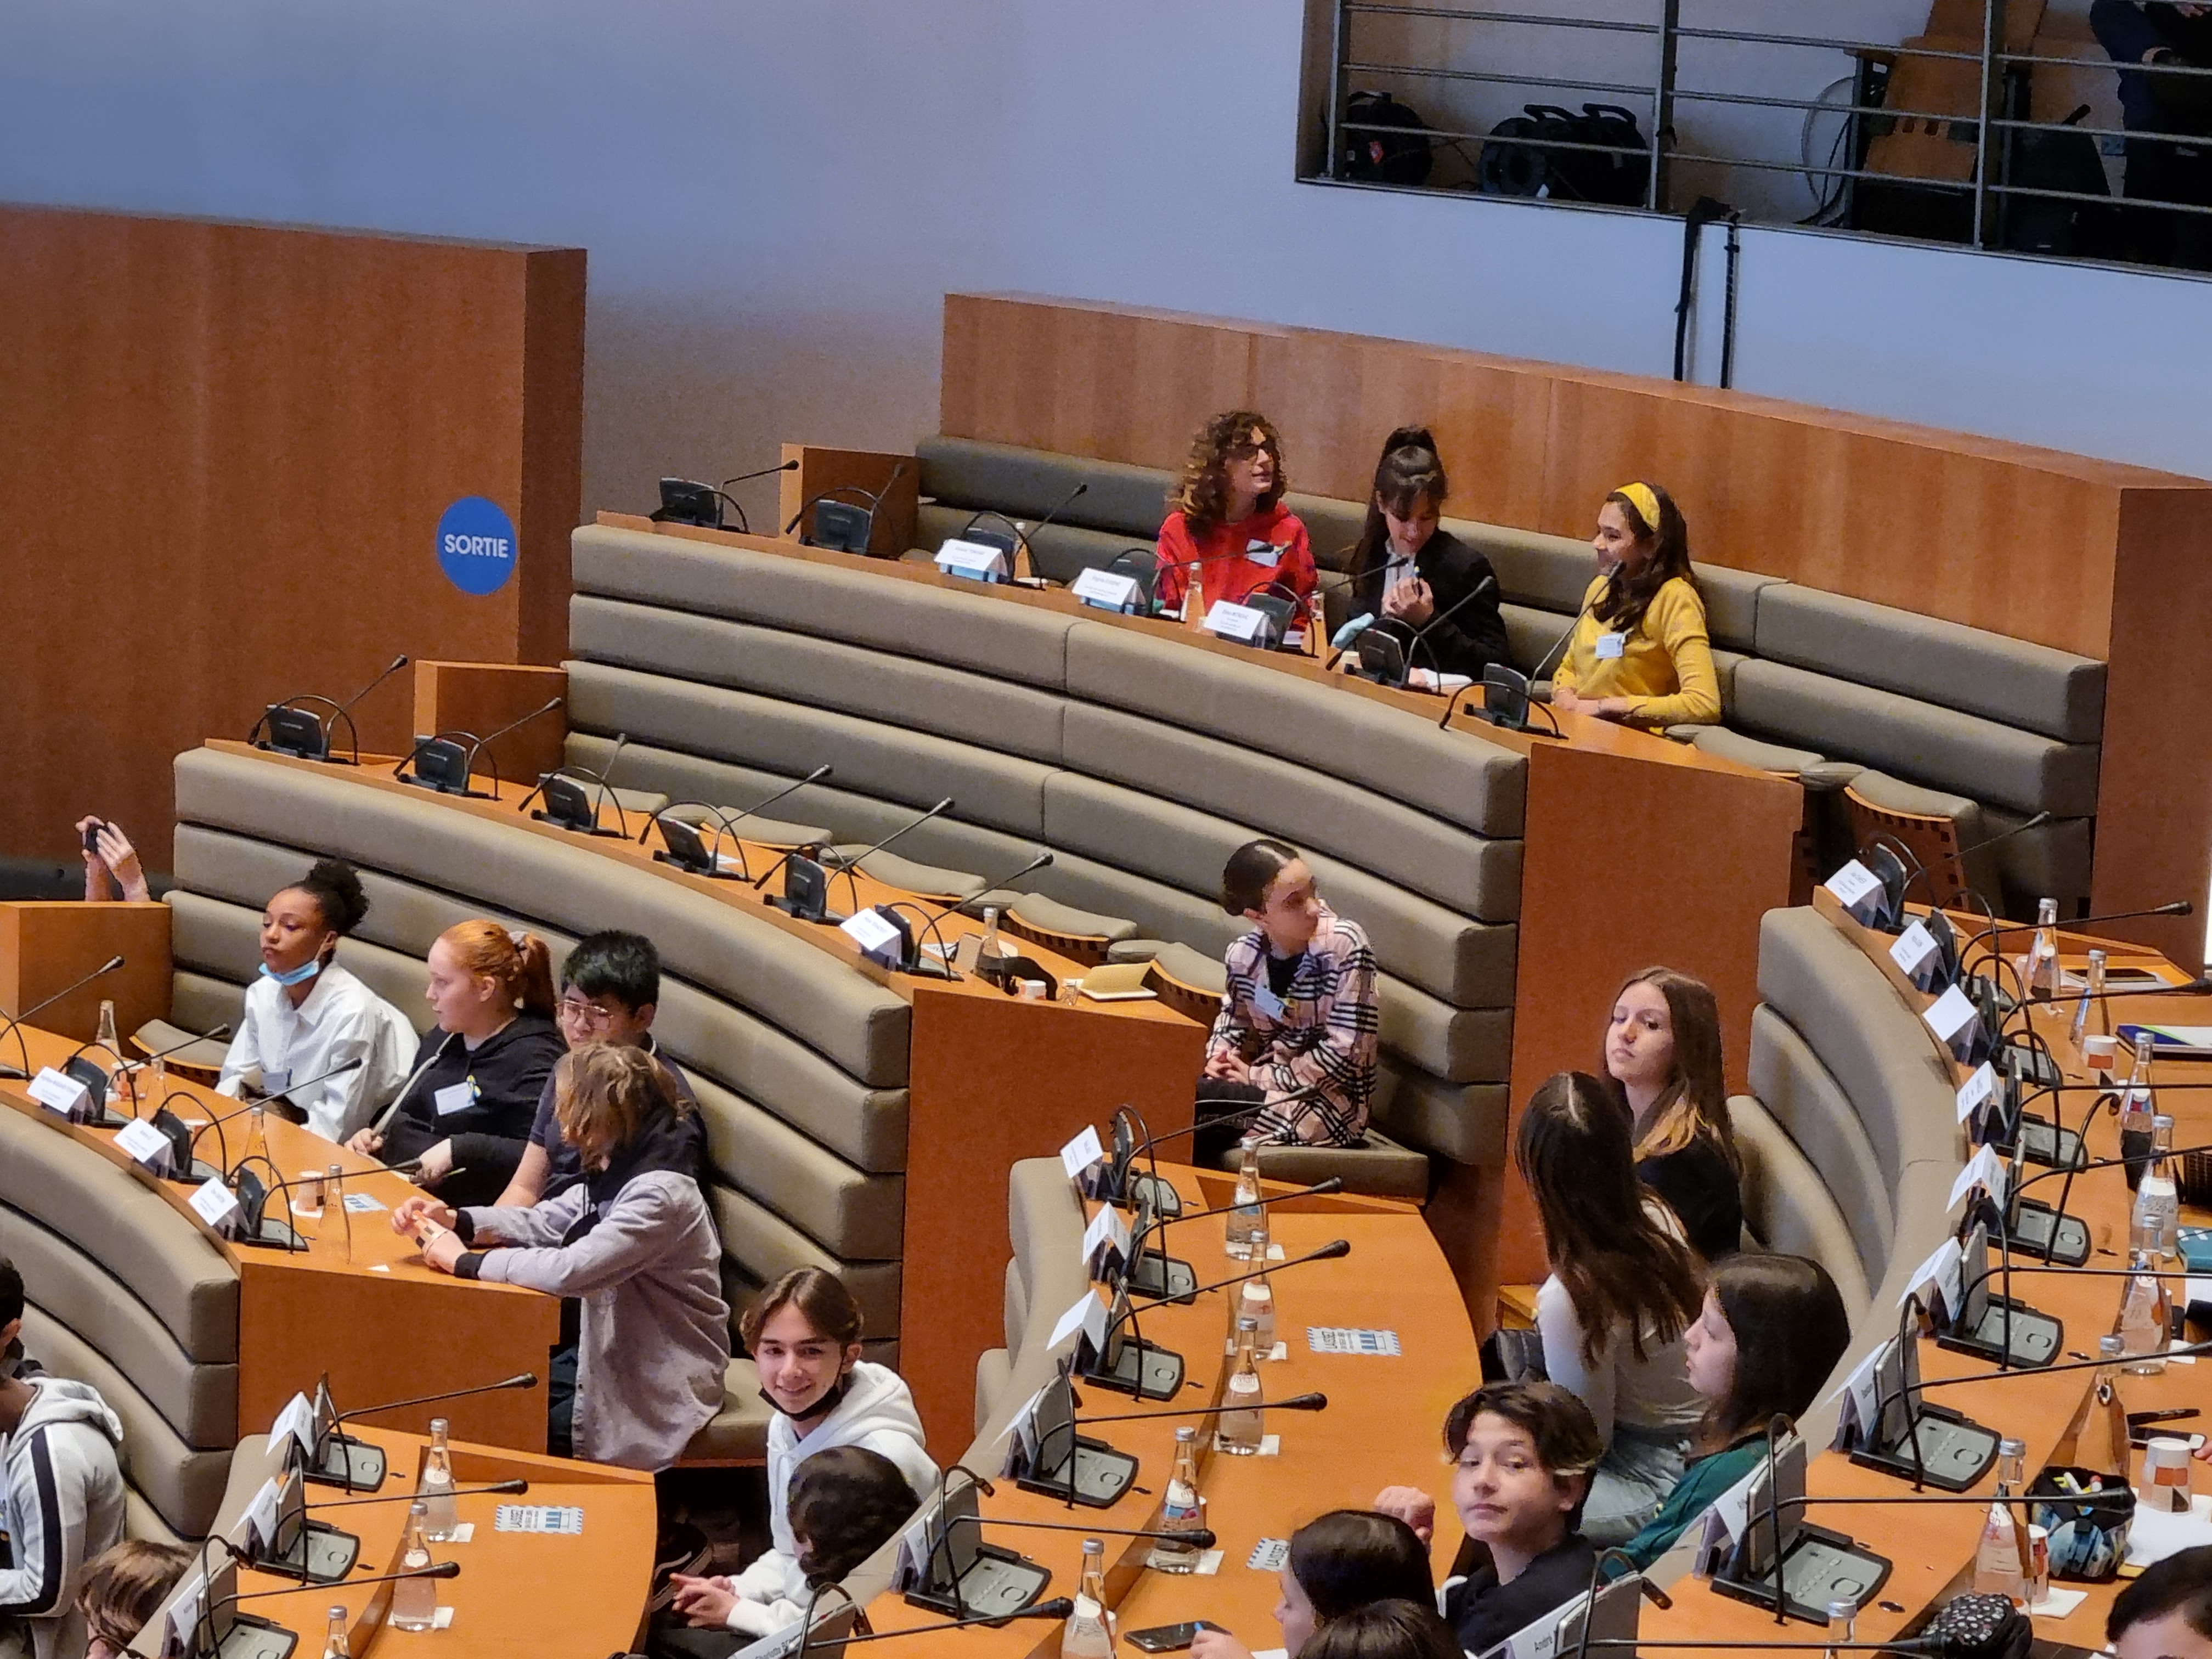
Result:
x=1999 y=1560
x=443 y=1517
x=1183 y=1510
x=2146 y=1325
x=1240 y=1426
x=2154 y=1226
x=1256 y=1301
x=414 y=1600
x=1250 y=1216
x=1090 y=1633
x=2138 y=1112
x=2040 y=972
x=336 y=1644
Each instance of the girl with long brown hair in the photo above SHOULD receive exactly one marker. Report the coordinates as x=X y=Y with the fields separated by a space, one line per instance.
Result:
x=466 y=1109
x=1663 y=1061
x=1640 y=650
x=1623 y=1289
x=1437 y=594
x=1228 y=535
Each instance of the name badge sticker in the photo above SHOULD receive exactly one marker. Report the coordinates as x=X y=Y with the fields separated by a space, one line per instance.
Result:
x=1266 y=555
x=455 y=1096
x=1609 y=647
x=1265 y=999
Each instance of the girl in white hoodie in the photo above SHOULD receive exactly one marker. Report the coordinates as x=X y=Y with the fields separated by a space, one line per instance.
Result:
x=805 y=1334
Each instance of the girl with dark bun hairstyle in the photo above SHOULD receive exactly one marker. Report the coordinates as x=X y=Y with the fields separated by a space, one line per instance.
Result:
x=1417 y=579
x=1640 y=651
x=1228 y=535
x=467 y=1109
x=307 y=1013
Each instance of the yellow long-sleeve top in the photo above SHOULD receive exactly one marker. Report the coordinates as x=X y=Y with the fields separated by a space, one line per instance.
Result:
x=1665 y=664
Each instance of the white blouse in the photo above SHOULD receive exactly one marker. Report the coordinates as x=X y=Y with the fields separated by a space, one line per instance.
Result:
x=342 y=1020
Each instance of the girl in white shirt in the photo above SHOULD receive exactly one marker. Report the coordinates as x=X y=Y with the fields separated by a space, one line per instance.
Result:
x=307 y=1014
x=1622 y=1290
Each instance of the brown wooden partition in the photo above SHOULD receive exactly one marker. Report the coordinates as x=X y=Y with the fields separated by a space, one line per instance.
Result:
x=225 y=450
x=2105 y=561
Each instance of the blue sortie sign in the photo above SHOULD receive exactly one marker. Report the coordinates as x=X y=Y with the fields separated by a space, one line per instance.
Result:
x=477 y=545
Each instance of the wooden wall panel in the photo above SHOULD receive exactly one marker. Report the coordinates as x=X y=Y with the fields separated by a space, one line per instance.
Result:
x=226 y=449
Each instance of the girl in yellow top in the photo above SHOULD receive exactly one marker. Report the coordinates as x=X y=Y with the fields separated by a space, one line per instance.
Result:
x=1640 y=652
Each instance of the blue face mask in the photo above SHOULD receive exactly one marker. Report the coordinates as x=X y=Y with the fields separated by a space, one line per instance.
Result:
x=306 y=971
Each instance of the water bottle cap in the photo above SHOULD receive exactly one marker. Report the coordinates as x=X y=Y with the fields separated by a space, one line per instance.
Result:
x=2012 y=1448
x=2110 y=1346
x=1842 y=1608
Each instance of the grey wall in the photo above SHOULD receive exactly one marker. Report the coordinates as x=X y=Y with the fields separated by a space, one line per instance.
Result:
x=775 y=193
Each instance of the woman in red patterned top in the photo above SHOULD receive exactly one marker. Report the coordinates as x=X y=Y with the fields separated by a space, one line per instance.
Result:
x=1228 y=534
x=1299 y=1018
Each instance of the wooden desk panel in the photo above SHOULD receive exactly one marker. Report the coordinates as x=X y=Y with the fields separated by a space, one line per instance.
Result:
x=482 y=697
x=44 y=946
x=1383 y=1423
x=176 y=451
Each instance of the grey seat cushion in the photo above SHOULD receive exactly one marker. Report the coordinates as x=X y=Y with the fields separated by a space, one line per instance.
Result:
x=1788 y=1206
x=738 y=1433
x=1052 y=917
x=1748 y=751
x=1027 y=484
x=1801 y=1096
x=930 y=880
x=2020 y=684
x=1917 y=740
x=158 y=1036
x=1188 y=967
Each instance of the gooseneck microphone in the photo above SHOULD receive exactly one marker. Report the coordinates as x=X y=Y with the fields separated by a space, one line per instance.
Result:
x=1200 y=1538
x=130 y=1069
x=15 y=1021
x=503 y=1488
x=1296 y=1403
x=336 y=1435
x=849 y=865
x=1059 y=1608
x=2177 y=908
x=1559 y=644
x=1335 y=1250
x=482 y=745
x=815 y=776
x=1420 y=635
x=875 y=500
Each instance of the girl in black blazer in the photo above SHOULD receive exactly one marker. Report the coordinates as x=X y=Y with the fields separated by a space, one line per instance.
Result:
x=1419 y=581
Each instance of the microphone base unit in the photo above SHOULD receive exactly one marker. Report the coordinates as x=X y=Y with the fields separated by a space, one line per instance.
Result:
x=575 y=829
x=342 y=1461
x=998 y=1581
x=2045 y=1144
x=320 y=1554
x=1820 y=1567
x=798 y=911
x=2031 y=1230
x=198 y=1176
x=1093 y=1474
x=2034 y=1338
x=1163 y=1278
x=440 y=787
x=1955 y=1451
x=1165 y=1200
x=250 y=1637
x=273 y=1235
x=691 y=869
x=1147 y=1372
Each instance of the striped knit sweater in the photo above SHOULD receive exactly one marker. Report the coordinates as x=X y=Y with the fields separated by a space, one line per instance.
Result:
x=1322 y=1041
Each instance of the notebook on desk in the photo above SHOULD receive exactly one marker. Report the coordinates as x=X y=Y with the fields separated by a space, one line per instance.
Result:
x=1118 y=981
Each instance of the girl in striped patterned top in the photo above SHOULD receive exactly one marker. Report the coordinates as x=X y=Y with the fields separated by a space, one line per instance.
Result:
x=1296 y=1031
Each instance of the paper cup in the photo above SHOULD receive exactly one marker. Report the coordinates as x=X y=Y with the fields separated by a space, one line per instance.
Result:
x=2165 y=1485
x=2102 y=1052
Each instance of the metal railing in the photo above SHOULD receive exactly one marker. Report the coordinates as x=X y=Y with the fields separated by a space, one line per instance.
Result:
x=1979 y=200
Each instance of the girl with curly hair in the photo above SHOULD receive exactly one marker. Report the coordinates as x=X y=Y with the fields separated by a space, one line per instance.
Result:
x=1228 y=535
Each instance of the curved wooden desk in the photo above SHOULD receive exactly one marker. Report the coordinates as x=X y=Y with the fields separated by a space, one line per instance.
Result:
x=987 y=1073
x=1382 y=1414
x=367 y=1312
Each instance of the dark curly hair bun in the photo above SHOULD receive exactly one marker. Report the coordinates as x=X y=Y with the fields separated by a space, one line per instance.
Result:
x=336 y=891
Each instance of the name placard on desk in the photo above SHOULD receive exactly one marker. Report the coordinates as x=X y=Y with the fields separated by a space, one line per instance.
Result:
x=975 y=562
x=1107 y=590
x=1241 y=622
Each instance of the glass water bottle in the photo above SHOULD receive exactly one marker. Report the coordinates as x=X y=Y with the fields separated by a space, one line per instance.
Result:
x=1250 y=1216
x=1241 y=1423
x=1089 y=1633
x=1183 y=1510
x=443 y=1518
x=414 y=1600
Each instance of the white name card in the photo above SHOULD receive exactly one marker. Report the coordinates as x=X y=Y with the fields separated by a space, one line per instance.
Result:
x=975 y=562
x=213 y=1202
x=58 y=1092
x=297 y=1421
x=1912 y=949
x=1950 y=1015
x=1107 y=590
x=1853 y=884
x=1857 y=1418
x=260 y=1516
x=868 y=930
x=144 y=1142
x=1230 y=621
x=1084 y=1151
x=1984 y=1170
x=1106 y=1237
x=1977 y=1091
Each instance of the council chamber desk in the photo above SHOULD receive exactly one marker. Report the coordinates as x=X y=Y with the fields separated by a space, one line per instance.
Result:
x=209 y=1334
x=984 y=1073
x=520 y=1594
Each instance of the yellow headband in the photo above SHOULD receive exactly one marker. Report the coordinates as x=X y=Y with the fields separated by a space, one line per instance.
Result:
x=1645 y=501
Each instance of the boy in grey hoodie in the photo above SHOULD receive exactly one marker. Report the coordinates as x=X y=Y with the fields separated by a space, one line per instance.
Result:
x=61 y=1496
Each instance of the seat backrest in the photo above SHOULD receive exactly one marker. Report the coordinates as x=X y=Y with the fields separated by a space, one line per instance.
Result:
x=1787 y=1206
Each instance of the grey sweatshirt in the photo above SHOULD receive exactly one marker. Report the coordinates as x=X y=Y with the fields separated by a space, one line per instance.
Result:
x=655 y=1336
x=62 y=1505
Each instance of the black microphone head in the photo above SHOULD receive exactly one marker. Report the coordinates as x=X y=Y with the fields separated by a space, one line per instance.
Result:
x=398 y=663
x=528 y=1380
x=442 y=1570
x=1043 y=861
x=112 y=963
x=944 y=806
x=510 y=1487
x=1333 y=1250
x=1332 y=1184
x=1300 y=1403
x=1059 y=1608
x=1202 y=1539
x=1080 y=490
